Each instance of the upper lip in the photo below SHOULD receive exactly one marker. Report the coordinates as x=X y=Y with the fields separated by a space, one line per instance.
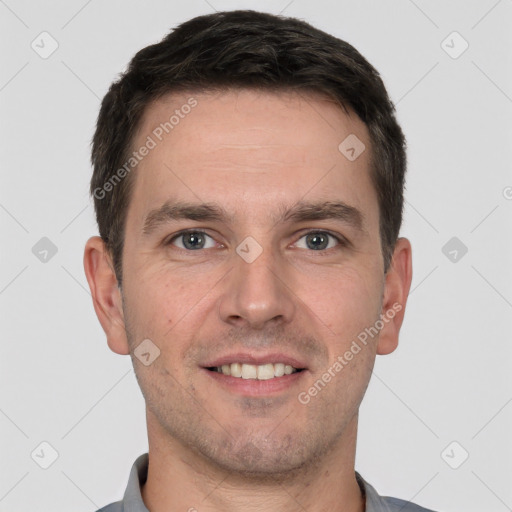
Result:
x=256 y=359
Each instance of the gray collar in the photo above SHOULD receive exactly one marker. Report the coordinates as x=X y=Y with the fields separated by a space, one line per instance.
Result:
x=132 y=500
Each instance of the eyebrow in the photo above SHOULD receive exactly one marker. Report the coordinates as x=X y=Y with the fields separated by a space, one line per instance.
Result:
x=213 y=212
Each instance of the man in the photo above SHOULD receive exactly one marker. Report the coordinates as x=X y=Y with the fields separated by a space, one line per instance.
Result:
x=248 y=185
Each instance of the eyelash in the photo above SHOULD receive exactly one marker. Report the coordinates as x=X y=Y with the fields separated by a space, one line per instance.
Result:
x=342 y=242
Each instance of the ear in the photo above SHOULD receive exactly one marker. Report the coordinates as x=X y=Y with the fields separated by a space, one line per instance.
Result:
x=106 y=295
x=396 y=290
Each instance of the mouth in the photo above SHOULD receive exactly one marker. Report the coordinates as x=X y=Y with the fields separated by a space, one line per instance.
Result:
x=256 y=375
x=264 y=371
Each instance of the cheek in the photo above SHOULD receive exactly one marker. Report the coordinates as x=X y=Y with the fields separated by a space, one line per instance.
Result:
x=157 y=293
x=150 y=306
x=345 y=300
x=163 y=304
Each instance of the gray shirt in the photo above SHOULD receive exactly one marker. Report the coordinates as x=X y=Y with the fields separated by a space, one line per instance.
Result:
x=132 y=500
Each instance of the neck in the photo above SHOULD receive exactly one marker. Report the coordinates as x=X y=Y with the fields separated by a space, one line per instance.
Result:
x=180 y=479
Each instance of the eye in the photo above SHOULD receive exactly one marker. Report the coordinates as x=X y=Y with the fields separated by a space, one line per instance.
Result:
x=191 y=240
x=319 y=241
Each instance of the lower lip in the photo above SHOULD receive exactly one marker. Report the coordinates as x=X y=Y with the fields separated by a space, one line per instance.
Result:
x=254 y=387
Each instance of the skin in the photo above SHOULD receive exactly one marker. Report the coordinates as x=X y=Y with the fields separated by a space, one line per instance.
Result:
x=210 y=448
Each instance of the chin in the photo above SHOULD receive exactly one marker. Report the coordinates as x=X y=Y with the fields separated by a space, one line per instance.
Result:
x=261 y=460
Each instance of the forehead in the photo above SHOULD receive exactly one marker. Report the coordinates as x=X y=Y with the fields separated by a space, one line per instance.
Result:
x=255 y=117
x=250 y=149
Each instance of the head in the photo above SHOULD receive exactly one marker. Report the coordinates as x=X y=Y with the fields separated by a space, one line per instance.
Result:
x=276 y=146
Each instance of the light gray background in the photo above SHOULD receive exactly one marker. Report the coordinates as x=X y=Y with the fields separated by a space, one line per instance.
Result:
x=450 y=379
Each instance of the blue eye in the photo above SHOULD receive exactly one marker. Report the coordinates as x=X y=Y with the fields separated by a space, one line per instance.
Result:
x=319 y=240
x=192 y=240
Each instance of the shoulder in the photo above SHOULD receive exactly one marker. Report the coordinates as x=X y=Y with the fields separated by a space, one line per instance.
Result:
x=377 y=503
x=113 y=507
x=398 y=505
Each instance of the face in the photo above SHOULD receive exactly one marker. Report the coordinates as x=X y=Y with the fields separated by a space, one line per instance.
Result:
x=282 y=268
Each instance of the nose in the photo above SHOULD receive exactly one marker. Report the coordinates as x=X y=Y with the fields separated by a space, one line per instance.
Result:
x=257 y=292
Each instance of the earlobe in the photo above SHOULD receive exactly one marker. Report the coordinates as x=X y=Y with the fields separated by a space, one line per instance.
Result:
x=396 y=291
x=106 y=295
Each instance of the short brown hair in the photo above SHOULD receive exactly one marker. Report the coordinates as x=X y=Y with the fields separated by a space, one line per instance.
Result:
x=245 y=49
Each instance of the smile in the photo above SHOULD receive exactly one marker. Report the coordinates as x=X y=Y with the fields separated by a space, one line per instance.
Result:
x=257 y=372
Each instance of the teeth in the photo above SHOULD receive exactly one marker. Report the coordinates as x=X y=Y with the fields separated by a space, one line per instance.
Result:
x=279 y=369
x=236 y=370
x=249 y=371
x=258 y=372
x=265 y=372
